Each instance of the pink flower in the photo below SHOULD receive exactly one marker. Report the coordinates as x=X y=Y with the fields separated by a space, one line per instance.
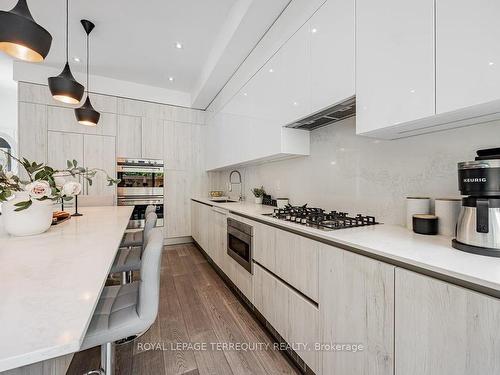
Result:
x=38 y=189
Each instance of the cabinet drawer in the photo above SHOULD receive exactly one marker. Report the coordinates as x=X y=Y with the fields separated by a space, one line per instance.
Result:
x=292 y=257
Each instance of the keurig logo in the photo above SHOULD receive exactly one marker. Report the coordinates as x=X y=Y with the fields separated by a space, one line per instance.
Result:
x=482 y=179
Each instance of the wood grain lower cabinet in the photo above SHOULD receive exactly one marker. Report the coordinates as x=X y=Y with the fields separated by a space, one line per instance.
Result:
x=292 y=257
x=264 y=249
x=295 y=318
x=357 y=307
x=271 y=299
x=195 y=221
x=303 y=329
x=443 y=329
x=177 y=202
x=217 y=242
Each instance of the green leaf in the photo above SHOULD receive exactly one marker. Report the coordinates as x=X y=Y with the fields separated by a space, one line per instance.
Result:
x=69 y=164
x=23 y=205
x=75 y=163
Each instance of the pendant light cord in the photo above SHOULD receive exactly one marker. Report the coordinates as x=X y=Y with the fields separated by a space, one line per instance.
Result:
x=67 y=30
x=88 y=66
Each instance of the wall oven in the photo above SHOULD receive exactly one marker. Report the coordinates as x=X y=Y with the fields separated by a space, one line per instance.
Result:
x=240 y=243
x=141 y=184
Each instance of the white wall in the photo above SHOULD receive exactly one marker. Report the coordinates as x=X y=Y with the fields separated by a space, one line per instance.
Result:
x=363 y=175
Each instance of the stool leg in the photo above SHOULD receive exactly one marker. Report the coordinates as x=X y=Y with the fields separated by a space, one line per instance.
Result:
x=124 y=278
x=108 y=358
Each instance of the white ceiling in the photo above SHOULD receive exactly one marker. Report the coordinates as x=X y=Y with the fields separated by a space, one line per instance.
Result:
x=135 y=40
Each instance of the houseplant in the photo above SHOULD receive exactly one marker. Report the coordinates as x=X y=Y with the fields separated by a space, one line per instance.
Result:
x=258 y=194
x=27 y=204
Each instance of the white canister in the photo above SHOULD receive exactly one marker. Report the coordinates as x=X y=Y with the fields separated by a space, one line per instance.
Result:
x=447 y=210
x=416 y=205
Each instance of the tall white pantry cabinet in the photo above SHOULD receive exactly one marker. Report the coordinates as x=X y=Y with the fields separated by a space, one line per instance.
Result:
x=49 y=133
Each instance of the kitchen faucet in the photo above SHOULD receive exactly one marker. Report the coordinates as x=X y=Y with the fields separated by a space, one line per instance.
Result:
x=239 y=182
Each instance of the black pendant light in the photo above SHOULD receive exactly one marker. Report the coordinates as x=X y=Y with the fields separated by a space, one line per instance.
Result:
x=64 y=87
x=21 y=36
x=86 y=114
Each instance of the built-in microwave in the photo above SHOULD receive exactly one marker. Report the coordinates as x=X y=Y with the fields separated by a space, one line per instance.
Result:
x=240 y=243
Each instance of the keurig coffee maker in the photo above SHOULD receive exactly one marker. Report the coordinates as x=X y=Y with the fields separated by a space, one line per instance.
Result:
x=478 y=227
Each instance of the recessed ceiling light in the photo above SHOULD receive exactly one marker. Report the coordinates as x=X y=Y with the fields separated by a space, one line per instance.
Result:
x=76 y=59
x=491 y=63
x=171 y=79
x=314 y=30
x=245 y=94
x=271 y=70
x=178 y=45
x=295 y=104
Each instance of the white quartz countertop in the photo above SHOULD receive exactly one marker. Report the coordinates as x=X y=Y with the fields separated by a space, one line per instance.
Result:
x=50 y=284
x=391 y=242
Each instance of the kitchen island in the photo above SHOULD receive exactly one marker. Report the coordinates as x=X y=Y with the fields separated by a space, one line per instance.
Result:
x=50 y=284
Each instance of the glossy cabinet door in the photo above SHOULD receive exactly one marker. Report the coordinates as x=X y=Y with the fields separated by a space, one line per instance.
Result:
x=444 y=329
x=394 y=62
x=99 y=152
x=357 y=307
x=332 y=31
x=467 y=53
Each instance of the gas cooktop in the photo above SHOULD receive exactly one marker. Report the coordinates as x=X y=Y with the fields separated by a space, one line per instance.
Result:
x=319 y=218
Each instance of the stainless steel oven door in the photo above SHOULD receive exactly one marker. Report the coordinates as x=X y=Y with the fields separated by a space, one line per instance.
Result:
x=239 y=246
x=140 y=180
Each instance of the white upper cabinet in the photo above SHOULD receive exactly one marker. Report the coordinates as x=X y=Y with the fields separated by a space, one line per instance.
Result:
x=332 y=35
x=394 y=62
x=467 y=53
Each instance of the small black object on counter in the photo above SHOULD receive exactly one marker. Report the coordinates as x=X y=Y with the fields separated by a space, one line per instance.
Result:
x=425 y=224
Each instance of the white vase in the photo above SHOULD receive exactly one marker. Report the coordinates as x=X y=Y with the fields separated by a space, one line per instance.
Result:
x=34 y=220
x=258 y=200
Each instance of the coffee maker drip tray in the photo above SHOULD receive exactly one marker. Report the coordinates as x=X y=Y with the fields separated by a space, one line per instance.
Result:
x=476 y=249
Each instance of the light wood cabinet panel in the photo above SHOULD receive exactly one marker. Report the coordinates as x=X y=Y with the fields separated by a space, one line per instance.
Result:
x=357 y=307
x=99 y=152
x=271 y=297
x=129 y=137
x=195 y=221
x=218 y=235
x=178 y=145
x=297 y=260
x=303 y=329
x=104 y=103
x=264 y=249
x=63 y=147
x=152 y=138
x=177 y=208
x=64 y=120
x=443 y=329
x=32 y=120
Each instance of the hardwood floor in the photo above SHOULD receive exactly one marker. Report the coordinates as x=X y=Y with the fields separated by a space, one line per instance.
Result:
x=196 y=308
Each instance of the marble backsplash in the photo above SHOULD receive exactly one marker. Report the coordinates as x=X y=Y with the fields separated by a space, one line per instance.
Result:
x=362 y=175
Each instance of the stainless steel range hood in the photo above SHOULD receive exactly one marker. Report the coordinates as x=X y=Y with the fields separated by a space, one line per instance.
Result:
x=336 y=112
